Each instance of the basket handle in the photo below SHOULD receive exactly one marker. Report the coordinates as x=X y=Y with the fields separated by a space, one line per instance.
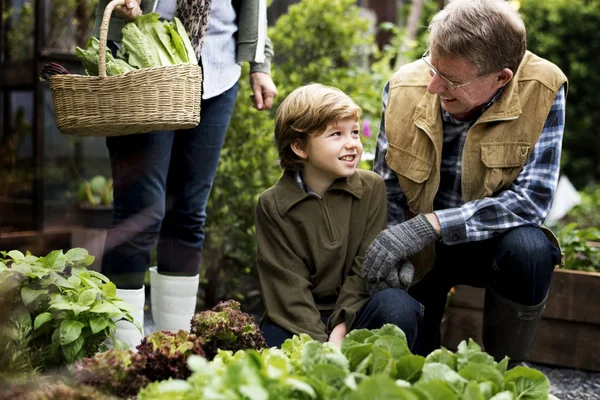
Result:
x=104 y=35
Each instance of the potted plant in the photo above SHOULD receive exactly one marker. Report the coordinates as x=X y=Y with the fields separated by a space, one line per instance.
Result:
x=95 y=199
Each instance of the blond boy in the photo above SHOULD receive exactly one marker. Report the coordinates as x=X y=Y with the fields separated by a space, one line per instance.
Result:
x=314 y=225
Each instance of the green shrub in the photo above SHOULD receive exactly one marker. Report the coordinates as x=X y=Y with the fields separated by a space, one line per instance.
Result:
x=565 y=32
x=311 y=45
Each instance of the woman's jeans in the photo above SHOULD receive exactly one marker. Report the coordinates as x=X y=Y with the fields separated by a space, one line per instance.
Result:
x=517 y=265
x=390 y=306
x=162 y=181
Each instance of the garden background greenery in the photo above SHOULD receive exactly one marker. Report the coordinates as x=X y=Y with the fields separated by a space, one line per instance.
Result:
x=311 y=45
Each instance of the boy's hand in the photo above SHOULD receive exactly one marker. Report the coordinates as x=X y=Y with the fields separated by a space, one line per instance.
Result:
x=130 y=11
x=337 y=334
x=396 y=244
x=263 y=90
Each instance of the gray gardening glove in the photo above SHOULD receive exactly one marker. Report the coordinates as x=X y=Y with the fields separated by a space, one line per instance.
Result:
x=398 y=278
x=395 y=244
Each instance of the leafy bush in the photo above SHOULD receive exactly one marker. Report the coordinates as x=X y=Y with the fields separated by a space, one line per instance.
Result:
x=167 y=353
x=226 y=327
x=581 y=247
x=586 y=214
x=57 y=310
x=564 y=32
x=371 y=364
x=116 y=372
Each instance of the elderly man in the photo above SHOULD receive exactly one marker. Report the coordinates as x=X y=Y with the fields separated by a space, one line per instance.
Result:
x=470 y=148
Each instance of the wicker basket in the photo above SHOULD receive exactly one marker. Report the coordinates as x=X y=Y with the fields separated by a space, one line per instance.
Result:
x=145 y=100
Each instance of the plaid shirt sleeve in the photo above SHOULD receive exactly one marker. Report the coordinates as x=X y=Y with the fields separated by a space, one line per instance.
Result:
x=396 y=200
x=526 y=202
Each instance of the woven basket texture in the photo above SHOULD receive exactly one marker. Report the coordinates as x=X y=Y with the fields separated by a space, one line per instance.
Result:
x=140 y=101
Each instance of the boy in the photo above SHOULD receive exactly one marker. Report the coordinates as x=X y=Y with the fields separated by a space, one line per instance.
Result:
x=314 y=225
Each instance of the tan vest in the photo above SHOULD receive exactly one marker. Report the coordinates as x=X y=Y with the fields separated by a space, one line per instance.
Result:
x=496 y=148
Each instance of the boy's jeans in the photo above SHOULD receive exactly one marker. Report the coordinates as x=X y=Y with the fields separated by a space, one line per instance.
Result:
x=517 y=265
x=390 y=306
x=162 y=181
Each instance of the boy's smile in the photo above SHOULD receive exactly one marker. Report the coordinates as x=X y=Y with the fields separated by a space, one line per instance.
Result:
x=333 y=154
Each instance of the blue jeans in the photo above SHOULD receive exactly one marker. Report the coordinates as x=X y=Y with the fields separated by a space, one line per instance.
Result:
x=162 y=181
x=390 y=306
x=517 y=265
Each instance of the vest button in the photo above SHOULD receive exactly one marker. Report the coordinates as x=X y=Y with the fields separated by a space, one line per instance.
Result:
x=456 y=238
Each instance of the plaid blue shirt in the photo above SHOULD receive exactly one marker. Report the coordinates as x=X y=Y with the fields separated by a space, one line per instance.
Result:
x=526 y=202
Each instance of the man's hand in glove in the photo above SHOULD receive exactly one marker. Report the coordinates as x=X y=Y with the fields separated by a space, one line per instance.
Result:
x=396 y=244
x=400 y=277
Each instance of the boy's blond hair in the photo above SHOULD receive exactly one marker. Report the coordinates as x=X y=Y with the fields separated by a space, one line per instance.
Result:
x=307 y=111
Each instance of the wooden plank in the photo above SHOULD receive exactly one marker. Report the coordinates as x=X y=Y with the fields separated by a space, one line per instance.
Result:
x=569 y=297
x=39 y=243
x=561 y=343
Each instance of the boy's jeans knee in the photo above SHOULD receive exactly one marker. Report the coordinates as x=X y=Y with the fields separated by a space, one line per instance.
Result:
x=391 y=306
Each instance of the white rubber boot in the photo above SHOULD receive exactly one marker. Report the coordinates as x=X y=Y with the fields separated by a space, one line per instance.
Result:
x=126 y=331
x=173 y=300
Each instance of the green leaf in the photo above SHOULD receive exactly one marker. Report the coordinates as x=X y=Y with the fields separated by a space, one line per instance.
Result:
x=29 y=295
x=70 y=330
x=3 y=267
x=72 y=349
x=54 y=260
x=77 y=309
x=357 y=353
x=105 y=307
x=527 y=383
x=443 y=356
x=434 y=390
x=98 y=275
x=472 y=392
x=409 y=368
x=110 y=290
x=396 y=346
x=98 y=324
x=76 y=254
x=42 y=319
x=87 y=297
x=442 y=372
x=482 y=373
x=383 y=363
x=16 y=255
x=60 y=302
x=381 y=387
x=75 y=281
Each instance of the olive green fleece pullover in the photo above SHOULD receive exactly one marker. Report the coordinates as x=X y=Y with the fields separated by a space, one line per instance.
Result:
x=310 y=250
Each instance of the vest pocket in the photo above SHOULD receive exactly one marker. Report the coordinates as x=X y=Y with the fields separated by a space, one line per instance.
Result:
x=504 y=161
x=413 y=171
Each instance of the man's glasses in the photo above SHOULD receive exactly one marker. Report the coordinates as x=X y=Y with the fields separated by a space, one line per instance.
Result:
x=448 y=82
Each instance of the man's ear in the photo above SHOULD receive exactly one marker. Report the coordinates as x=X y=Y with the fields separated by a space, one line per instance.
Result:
x=298 y=149
x=504 y=77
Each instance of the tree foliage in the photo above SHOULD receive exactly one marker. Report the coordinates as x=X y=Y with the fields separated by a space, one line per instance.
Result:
x=565 y=32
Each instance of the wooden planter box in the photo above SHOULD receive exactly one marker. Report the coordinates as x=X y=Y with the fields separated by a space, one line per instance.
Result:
x=568 y=335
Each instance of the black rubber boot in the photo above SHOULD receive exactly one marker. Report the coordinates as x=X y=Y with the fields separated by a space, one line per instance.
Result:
x=509 y=328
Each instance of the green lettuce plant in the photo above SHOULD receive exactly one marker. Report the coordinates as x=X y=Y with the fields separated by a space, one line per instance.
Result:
x=71 y=310
x=371 y=364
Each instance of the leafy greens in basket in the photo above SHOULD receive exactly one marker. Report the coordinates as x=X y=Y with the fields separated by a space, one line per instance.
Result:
x=147 y=42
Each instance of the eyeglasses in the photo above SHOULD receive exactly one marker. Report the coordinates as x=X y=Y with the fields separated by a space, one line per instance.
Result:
x=448 y=82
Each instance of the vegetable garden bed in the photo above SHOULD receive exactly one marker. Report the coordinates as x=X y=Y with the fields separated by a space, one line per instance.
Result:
x=568 y=333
